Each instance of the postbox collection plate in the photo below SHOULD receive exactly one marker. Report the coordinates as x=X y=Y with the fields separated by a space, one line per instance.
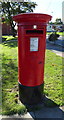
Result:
x=34 y=43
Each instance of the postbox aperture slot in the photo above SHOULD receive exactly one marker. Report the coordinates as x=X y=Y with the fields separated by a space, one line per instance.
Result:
x=34 y=31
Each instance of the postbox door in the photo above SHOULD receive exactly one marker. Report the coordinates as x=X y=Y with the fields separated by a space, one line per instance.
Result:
x=32 y=61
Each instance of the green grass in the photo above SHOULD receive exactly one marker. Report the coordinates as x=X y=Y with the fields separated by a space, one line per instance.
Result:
x=7 y=38
x=10 y=103
x=60 y=33
x=52 y=77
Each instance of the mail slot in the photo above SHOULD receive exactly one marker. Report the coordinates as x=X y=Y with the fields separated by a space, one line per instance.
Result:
x=34 y=31
x=31 y=55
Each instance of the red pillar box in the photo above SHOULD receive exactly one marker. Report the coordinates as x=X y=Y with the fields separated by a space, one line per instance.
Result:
x=31 y=55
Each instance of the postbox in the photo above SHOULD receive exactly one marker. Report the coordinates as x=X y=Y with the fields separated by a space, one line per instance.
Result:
x=31 y=55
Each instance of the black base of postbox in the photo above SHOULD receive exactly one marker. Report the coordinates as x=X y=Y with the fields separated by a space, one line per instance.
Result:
x=31 y=95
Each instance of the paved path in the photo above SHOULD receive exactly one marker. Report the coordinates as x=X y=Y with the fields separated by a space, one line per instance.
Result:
x=55 y=47
x=60 y=40
x=45 y=113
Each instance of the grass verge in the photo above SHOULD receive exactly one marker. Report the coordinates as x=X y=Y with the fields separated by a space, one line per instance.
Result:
x=60 y=33
x=10 y=103
x=52 y=77
x=7 y=38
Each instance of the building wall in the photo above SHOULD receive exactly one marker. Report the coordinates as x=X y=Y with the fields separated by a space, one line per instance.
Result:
x=6 y=29
x=63 y=12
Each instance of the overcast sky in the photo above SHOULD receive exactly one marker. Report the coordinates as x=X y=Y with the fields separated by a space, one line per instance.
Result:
x=51 y=7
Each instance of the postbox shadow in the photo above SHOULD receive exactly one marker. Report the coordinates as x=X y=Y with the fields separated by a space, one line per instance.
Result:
x=46 y=109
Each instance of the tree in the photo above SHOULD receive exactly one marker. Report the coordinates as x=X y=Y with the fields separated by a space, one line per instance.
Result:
x=10 y=9
x=58 y=21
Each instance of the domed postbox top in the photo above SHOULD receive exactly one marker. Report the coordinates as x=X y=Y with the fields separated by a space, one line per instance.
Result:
x=32 y=17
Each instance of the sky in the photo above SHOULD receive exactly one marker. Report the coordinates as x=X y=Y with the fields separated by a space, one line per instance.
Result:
x=51 y=7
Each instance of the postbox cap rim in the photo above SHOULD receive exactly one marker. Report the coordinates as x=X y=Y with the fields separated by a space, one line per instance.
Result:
x=32 y=16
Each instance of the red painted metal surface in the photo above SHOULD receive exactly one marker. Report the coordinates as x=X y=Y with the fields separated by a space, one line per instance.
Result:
x=30 y=62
